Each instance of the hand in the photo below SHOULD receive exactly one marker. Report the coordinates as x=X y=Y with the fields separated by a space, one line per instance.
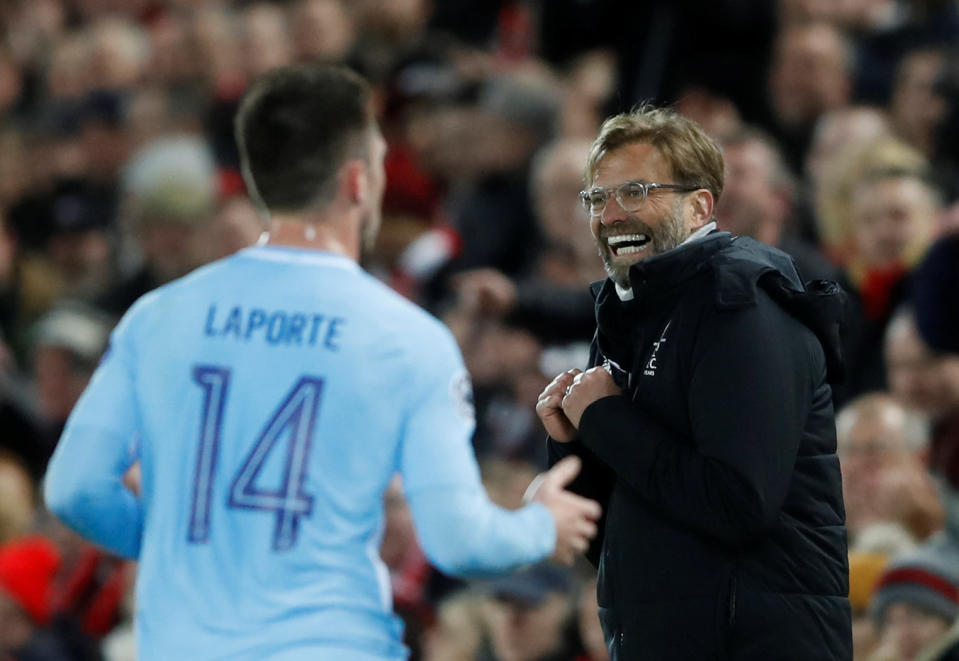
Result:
x=485 y=291
x=549 y=408
x=593 y=384
x=575 y=517
x=905 y=493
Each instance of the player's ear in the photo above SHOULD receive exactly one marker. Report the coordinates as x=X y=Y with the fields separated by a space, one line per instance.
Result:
x=355 y=181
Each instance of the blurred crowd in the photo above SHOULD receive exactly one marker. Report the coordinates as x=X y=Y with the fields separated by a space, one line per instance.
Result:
x=839 y=121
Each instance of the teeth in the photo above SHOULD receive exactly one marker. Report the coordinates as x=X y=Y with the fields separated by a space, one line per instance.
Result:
x=621 y=238
x=630 y=250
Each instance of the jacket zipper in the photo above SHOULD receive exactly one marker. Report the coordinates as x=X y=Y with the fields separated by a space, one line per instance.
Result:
x=732 y=600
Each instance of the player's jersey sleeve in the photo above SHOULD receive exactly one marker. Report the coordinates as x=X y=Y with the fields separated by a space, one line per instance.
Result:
x=462 y=532
x=83 y=485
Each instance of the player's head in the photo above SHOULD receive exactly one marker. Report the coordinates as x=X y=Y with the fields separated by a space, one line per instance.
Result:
x=307 y=134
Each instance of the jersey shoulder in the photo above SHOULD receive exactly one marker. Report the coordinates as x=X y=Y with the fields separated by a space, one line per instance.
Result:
x=154 y=306
x=413 y=326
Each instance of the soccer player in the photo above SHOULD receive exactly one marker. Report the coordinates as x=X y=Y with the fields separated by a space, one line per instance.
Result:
x=269 y=398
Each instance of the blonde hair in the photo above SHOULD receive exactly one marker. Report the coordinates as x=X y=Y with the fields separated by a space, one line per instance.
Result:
x=694 y=158
x=843 y=174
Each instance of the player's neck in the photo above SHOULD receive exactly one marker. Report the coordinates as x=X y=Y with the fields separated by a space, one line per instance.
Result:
x=300 y=231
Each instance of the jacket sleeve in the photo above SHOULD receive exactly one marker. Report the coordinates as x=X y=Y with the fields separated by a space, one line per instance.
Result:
x=753 y=373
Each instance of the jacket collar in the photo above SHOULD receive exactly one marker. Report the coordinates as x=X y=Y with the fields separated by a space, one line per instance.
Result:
x=666 y=271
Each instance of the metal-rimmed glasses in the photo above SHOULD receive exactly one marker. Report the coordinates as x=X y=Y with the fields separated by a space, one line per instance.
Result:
x=630 y=195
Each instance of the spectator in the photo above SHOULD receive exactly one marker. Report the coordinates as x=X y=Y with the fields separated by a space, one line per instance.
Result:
x=68 y=343
x=839 y=135
x=120 y=51
x=758 y=199
x=516 y=116
x=457 y=633
x=895 y=216
x=531 y=616
x=917 y=107
x=234 y=226
x=883 y=480
x=170 y=191
x=321 y=30
x=837 y=130
x=915 y=603
x=809 y=75
x=265 y=39
x=550 y=300
x=917 y=376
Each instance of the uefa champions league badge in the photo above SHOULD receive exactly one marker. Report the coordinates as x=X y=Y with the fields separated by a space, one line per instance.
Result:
x=461 y=390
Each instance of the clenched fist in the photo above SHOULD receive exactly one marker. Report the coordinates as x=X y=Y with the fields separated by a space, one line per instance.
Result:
x=549 y=407
x=587 y=387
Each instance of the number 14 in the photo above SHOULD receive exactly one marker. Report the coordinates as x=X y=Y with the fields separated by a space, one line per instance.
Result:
x=296 y=413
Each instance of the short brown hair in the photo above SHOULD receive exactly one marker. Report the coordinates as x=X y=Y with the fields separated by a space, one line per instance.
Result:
x=295 y=127
x=694 y=158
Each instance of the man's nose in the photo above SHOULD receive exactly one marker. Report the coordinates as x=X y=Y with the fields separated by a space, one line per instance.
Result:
x=613 y=213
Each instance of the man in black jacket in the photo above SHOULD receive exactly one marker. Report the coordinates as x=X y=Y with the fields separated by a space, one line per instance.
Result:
x=705 y=422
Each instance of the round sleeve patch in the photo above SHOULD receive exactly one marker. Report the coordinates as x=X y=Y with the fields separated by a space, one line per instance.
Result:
x=461 y=389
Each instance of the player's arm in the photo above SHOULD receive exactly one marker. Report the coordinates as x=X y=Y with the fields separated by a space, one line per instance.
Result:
x=84 y=481
x=461 y=530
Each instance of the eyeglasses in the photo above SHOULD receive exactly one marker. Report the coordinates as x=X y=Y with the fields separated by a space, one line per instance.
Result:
x=630 y=195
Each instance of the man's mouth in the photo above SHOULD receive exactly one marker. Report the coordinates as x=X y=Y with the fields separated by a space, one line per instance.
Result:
x=627 y=244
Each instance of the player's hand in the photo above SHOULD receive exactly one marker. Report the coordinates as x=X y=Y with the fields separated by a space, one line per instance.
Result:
x=587 y=387
x=575 y=517
x=549 y=407
x=133 y=478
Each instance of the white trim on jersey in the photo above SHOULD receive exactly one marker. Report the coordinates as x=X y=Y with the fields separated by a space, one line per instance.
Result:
x=299 y=256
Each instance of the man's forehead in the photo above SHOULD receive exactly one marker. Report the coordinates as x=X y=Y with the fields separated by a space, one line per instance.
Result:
x=634 y=160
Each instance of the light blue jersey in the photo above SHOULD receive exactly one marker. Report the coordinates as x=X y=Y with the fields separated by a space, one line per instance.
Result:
x=270 y=397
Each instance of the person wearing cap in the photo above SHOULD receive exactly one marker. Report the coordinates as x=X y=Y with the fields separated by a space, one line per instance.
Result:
x=705 y=419
x=914 y=604
x=68 y=342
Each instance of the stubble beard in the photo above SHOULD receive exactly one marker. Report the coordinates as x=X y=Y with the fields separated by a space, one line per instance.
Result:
x=668 y=235
x=369 y=229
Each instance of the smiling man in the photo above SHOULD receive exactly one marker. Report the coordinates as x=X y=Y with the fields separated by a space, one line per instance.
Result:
x=705 y=421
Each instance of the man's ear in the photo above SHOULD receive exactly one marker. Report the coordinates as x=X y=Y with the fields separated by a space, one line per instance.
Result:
x=355 y=181
x=702 y=203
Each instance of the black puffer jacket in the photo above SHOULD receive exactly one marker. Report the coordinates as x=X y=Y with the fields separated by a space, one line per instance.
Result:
x=724 y=532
